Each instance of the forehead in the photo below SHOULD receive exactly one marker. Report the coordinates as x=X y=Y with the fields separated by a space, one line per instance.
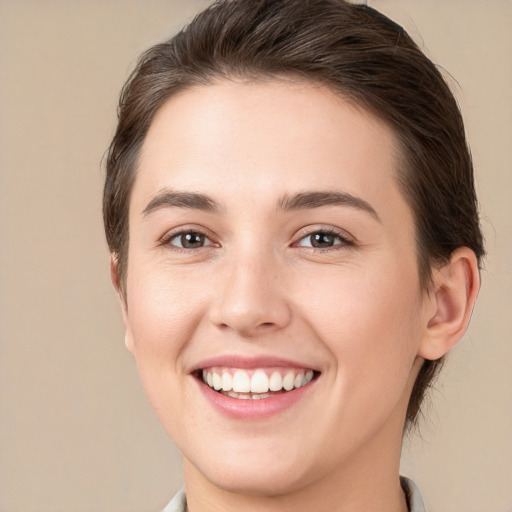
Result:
x=266 y=138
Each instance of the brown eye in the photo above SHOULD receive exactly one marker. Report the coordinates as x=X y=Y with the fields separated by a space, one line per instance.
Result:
x=322 y=240
x=189 y=240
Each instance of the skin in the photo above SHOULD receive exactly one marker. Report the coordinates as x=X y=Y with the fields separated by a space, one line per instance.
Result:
x=353 y=311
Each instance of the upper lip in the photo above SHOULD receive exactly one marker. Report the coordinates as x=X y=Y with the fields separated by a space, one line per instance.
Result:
x=238 y=361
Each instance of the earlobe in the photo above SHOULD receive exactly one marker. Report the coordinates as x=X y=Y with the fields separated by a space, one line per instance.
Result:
x=128 y=341
x=452 y=299
x=114 y=276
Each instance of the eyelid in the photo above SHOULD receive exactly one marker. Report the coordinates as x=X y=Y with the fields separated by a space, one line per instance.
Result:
x=180 y=230
x=346 y=238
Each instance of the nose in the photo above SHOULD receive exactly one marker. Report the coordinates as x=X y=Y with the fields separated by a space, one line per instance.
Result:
x=251 y=296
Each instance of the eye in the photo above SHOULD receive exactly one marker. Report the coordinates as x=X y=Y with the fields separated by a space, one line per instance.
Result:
x=188 y=240
x=324 y=239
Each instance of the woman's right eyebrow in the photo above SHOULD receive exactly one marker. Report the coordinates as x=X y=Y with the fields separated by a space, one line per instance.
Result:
x=174 y=199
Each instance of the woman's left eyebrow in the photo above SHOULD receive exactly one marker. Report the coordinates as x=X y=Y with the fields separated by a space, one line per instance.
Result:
x=308 y=200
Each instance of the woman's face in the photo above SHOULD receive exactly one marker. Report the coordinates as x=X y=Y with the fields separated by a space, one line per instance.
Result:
x=271 y=247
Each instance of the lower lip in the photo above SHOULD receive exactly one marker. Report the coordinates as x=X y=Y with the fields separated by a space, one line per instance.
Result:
x=253 y=409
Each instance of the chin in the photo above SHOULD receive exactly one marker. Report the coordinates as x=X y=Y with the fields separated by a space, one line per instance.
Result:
x=248 y=479
x=255 y=471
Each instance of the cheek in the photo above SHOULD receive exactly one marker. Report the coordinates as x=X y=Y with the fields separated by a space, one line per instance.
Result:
x=163 y=314
x=369 y=318
x=371 y=328
x=163 y=308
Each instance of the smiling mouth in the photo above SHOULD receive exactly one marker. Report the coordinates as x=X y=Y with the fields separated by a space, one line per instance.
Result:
x=257 y=383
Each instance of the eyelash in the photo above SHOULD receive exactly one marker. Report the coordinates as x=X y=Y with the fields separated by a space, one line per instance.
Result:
x=167 y=239
x=344 y=240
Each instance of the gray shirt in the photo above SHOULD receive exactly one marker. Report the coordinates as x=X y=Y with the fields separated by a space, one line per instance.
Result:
x=179 y=502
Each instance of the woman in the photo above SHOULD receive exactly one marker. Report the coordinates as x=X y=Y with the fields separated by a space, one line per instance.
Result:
x=295 y=241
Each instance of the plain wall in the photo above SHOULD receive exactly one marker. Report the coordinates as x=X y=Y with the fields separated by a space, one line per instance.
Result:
x=76 y=434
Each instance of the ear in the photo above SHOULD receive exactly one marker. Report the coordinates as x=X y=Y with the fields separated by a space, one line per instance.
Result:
x=114 y=276
x=450 y=304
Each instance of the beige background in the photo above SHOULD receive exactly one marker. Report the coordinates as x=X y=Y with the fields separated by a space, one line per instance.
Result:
x=76 y=434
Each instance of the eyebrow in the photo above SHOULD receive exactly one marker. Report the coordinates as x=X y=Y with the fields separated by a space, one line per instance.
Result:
x=309 y=200
x=172 y=198
x=301 y=201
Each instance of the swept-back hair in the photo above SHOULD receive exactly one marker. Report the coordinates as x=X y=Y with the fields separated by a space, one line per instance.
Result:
x=357 y=52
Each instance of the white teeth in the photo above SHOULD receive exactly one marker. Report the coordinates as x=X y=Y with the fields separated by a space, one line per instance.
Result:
x=275 y=382
x=289 y=381
x=217 y=382
x=259 y=382
x=227 y=382
x=241 y=382
x=241 y=385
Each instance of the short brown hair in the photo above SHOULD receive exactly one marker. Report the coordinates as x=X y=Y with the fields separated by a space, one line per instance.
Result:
x=360 y=54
